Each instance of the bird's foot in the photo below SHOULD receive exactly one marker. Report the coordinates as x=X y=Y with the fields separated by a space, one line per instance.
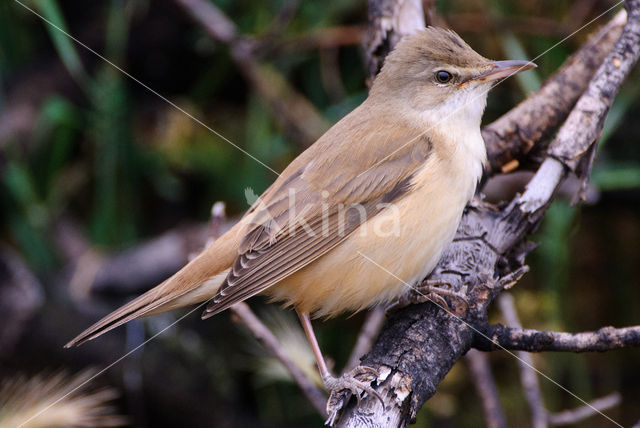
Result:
x=435 y=291
x=342 y=388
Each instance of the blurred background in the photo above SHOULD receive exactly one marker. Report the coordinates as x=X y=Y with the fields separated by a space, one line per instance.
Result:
x=106 y=188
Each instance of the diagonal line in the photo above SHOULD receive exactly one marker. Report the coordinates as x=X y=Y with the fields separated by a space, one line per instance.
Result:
x=171 y=103
x=489 y=339
x=456 y=110
x=113 y=363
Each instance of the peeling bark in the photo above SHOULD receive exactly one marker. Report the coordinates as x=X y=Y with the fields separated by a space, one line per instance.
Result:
x=532 y=121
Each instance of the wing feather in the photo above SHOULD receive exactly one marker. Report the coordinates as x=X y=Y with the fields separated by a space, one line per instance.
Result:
x=296 y=222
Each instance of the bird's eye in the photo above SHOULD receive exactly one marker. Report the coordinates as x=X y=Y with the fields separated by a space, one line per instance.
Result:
x=443 y=76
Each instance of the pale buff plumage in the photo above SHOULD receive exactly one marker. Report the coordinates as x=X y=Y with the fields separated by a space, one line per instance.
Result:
x=415 y=143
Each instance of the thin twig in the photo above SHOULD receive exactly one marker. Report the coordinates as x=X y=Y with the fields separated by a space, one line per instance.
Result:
x=604 y=339
x=570 y=417
x=370 y=329
x=485 y=386
x=244 y=315
x=528 y=377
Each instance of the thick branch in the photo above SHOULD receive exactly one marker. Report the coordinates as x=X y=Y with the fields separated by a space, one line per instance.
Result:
x=536 y=118
x=575 y=139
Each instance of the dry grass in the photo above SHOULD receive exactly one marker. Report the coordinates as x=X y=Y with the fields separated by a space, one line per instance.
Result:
x=56 y=400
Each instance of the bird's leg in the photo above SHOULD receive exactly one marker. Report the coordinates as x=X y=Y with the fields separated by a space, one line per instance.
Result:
x=341 y=388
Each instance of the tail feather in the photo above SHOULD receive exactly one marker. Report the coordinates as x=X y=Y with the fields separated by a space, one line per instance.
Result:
x=138 y=307
x=196 y=282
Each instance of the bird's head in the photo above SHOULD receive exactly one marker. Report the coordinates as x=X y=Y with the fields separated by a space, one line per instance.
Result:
x=435 y=71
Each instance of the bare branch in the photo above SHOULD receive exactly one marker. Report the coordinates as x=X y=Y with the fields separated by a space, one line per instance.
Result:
x=573 y=148
x=370 y=329
x=485 y=386
x=244 y=315
x=574 y=139
x=528 y=376
x=570 y=417
x=134 y=269
x=604 y=339
x=212 y=19
x=537 y=117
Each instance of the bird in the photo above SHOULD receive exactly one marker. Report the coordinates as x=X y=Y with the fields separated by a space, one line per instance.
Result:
x=384 y=189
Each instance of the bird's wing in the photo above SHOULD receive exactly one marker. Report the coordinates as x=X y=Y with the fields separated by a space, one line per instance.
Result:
x=306 y=211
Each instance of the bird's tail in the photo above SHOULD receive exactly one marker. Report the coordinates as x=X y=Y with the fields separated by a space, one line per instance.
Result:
x=198 y=281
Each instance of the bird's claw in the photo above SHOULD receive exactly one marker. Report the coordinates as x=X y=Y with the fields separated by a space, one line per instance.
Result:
x=429 y=291
x=351 y=383
x=436 y=291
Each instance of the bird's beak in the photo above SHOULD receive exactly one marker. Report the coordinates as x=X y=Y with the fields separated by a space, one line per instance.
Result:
x=501 y=70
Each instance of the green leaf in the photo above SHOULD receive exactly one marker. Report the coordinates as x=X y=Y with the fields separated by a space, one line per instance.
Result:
x=57 y=27
x=617 y=177
x=529 y=81
x=20 y=184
